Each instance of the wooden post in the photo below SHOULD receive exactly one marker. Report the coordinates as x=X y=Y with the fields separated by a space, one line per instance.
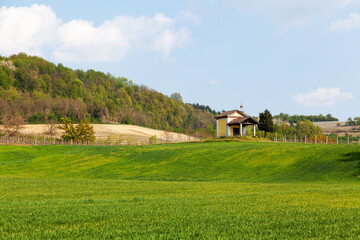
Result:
x=241 y=129
x=254 y=132
x=337 y=140
x=326 y=139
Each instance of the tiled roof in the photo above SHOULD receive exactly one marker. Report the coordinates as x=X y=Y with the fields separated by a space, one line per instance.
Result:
x=224 y=114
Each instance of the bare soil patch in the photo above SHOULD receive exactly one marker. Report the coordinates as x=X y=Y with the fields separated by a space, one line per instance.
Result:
x=114 y=132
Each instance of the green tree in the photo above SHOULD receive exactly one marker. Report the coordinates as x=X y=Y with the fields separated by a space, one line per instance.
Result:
x=80 y=132
x=69 y=128
x=85 y=131
x=177 y=97
x=350 y=122
x=306 y=127
x=266 y=123
x=6 y=79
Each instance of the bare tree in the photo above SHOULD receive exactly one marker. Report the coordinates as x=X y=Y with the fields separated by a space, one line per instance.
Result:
x=52 y=127
x=12 y=124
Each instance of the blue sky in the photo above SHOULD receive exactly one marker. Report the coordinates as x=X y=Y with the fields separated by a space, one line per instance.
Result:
x=290 y=56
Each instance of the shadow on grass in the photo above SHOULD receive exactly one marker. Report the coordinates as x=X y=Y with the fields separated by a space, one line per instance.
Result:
x=353 y=157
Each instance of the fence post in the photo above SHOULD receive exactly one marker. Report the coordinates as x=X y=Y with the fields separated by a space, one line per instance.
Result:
x=315 y=139
x=337 y=140
x=326 y=139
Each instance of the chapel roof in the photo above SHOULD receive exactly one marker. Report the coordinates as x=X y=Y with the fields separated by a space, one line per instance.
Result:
x=227 y=113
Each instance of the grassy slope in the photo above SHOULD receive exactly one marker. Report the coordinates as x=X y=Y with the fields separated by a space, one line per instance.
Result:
x=74 y=192
x=251 y=162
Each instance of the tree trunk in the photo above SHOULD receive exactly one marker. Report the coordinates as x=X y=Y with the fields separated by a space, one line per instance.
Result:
x=265 y=135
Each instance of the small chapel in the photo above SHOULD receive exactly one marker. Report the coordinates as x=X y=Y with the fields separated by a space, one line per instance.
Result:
x=232 y=123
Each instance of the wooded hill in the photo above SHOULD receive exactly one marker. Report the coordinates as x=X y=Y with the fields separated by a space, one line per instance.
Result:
x=39 y=91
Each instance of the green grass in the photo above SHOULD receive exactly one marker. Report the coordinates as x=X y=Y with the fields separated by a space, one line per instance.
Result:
x=108 y=209
x=250 y=162
x=180 y=191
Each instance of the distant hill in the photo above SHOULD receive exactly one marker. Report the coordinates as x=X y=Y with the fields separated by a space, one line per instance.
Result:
x=39 y=91
x=340 y=129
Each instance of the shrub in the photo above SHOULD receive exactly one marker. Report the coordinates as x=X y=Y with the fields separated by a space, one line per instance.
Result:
x=153 y=139
x=82 y=132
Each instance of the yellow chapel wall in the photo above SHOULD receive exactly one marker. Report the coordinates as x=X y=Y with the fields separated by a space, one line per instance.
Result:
x=222 y=127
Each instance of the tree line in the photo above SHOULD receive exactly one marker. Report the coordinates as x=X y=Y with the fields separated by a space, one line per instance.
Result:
x=298 y=118
x=353 y=122
x=205 y=108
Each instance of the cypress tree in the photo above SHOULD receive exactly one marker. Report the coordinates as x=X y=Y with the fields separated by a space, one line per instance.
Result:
x=266 y=123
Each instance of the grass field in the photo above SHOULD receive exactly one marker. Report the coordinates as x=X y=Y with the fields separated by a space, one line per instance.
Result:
x=180 y=191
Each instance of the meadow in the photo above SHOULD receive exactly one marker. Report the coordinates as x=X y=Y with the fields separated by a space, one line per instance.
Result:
x=180 y=191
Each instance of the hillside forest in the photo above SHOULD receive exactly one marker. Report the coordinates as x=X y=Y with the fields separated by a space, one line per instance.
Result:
x=40 y=91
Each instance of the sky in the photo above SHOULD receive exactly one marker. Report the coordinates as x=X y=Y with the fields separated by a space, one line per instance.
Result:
x=289 y=56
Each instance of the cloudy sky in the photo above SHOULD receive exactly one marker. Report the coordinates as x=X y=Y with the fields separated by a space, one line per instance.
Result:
x=290 y=56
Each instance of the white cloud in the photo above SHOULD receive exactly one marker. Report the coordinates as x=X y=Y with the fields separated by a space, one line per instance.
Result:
x=352 y=22
x=214 y=82
x=191 y=16
x=322 y=97
x=33 y=29
x=27 y=29
x=291 y=12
